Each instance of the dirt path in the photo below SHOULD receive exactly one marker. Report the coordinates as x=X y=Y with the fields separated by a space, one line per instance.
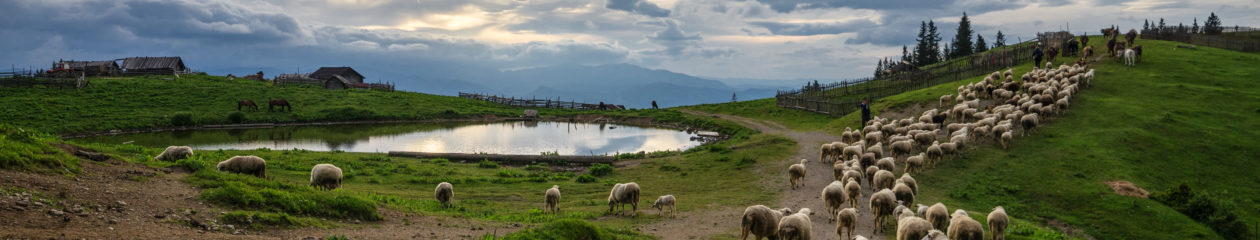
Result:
x=817 y=176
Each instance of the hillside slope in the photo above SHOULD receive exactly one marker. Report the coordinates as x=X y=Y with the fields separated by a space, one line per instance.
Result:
x=1180 y=116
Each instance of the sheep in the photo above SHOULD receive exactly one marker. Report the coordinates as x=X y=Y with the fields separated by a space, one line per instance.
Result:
x=902 y=147
x=1129 y=57
x=867 y=160
x=913 y=184
x=837 y=170
x=912 y=228
x=935 y=235
x=922 y=211
x=870 y=176
x=1006 y=138
x=622 y=194
x=860 y=237
x=325 y=176
x=852 y=174
x=1029 y=122
x=173 y=153
x=666 y=201
x=883 y=179
x=962 y=227
x=252 y=165
x=946 y=98
x=761 y=222
x=854 y=191
x=796 y=226
x=552 y=200
x=925 y=138
x=444 y=192
x=949 y=148
x=877 y=149
x=998 y=223
x=825 y=152
x=938 y=215
x=914 y=163
x=833 y=197
x=904 y=194
x=886 y=164
x=796 y=173
x=846 y=222
x=882 y=204
x=852 y=151
x=934 y=152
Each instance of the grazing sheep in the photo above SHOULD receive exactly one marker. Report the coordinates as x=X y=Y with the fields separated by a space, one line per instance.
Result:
x=325 y=176
x=998 y=223
x=886 y=164
x=552 y=199
x=877 y=149
x=833 y=197
x=252 y=165
x=663 y=202
x=962 y=227
x=444 y=193
x=904 y=194
x=935 y=235
x=761 y=222
x=914 y=163
x=938 y=215
x=796 y=173
x=796 y=226
x=913 y=184
x=882 y=204
x=846 y=222
x=622 y=194
x=912 y=228
x=854 y=190
x=173 y=153
x=883 y=179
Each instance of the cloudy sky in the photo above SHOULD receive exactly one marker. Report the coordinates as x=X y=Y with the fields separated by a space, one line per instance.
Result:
x=413 y=39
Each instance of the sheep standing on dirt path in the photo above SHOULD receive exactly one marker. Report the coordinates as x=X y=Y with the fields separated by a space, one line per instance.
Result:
x=796 y=173
x=882 y=204
x=833 y=197
x=252 y=165
x=325 y=176
x=663 y=202
x=796 y=226
x=846 y=222
x=761 y=222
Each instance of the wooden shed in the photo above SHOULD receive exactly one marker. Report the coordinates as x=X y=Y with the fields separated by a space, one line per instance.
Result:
x=349 y=75
x=153 y=65
x=94 y=68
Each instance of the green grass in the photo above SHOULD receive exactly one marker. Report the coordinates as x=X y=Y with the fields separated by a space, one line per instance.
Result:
x=1180 y=116
x=572 y=229
x=22 y=149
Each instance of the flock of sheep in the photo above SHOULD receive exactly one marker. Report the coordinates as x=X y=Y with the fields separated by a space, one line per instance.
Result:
x=328 y=177
x=989 y=110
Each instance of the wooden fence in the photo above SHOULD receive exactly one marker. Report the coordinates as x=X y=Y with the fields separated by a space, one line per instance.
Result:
x=840 y=98
x=65 y=83
x=538 y=103
x=1241 y=44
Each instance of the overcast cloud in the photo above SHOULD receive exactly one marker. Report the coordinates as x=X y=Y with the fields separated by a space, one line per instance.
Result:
x=411 y=40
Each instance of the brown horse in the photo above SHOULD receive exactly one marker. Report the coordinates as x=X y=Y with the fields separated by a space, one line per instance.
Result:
x=279 y=103
x=247 y=104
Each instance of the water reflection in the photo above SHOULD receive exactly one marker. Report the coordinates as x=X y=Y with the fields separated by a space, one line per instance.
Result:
x=504 y=138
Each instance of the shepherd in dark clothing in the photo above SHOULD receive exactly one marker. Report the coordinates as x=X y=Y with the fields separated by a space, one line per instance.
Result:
x=654 y=105
x=602 y=107
x=1037 y=57
x=866 y=112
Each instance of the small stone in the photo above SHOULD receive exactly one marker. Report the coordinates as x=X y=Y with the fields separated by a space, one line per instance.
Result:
x=160 y=216
x=111 y=228
x=112 y=221
x=38 y=204
x=120 y=203
x=56 y=212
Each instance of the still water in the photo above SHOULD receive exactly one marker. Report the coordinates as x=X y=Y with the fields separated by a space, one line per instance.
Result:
x=499 y=138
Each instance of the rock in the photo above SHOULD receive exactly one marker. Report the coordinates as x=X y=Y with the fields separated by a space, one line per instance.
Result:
x=56 y=213
x=18 y=208
x=38 y=204
x=120 y=203
x=112 y=221
x=23 y=203
x=159 y=216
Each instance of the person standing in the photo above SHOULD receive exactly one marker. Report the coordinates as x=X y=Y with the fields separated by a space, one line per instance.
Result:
x=654 y=105
x=866 y=112
x=1037 y=57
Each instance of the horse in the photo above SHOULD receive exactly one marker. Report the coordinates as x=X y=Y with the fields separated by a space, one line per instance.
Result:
x=247 y=104
x=279 y=102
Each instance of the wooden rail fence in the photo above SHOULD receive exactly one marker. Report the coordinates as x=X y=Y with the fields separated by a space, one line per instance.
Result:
x=539 y=103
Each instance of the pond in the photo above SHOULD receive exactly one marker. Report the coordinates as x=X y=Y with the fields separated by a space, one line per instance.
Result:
x=528 y=137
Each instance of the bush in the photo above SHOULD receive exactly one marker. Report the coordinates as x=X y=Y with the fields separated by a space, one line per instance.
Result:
x=236 y=117
x=1215 y=210
x=537 y=167
x=182 y=119
x=487 y=164
x=600 y=169
x=586 y=178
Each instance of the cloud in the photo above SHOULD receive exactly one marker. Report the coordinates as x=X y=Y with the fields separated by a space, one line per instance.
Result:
x=638 y=6
x=806 y=29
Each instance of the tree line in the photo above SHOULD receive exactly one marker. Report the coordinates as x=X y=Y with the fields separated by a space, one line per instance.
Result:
x=928 y=49
x=1210 y=27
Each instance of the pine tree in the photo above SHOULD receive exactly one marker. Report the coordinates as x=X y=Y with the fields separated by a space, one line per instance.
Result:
x=934 y=53
x=1213 y=25
x=1162 y=27
x=1195 y=28
x=962 y=41
x=733 y=99
x=1146 y=25
x=980 y=45
x=1181 y=28
x=905 y=54
x=1000 y=41
x=948 y=52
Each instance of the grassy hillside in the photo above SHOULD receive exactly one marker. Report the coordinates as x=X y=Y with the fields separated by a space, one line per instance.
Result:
x=1180 y=116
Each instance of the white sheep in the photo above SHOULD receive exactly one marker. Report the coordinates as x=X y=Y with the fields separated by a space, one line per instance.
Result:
x=938 y=215
x=761 y=222
x=252 y=165
x=1029 y=121
x=663 y=202
x=998 y=221
x=173 y=153
x=796 y=173
x=882 y=204
x=854 y=191
x=796 y=226
x=552 y=199
x=833 y=197
x=962 y=227
x=886 y=164
x=444 y=192
x=935 y=235
x=1006 y=138
x=1129 y=56
x=846 y=222
x=622 y=194
x=922 y=211
x=883 y=179
x=325 y=176
x=902 y=147
x=911 y=182
x=912 y=228
x=915 y=163
x=904 y=194
x=935 y=153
